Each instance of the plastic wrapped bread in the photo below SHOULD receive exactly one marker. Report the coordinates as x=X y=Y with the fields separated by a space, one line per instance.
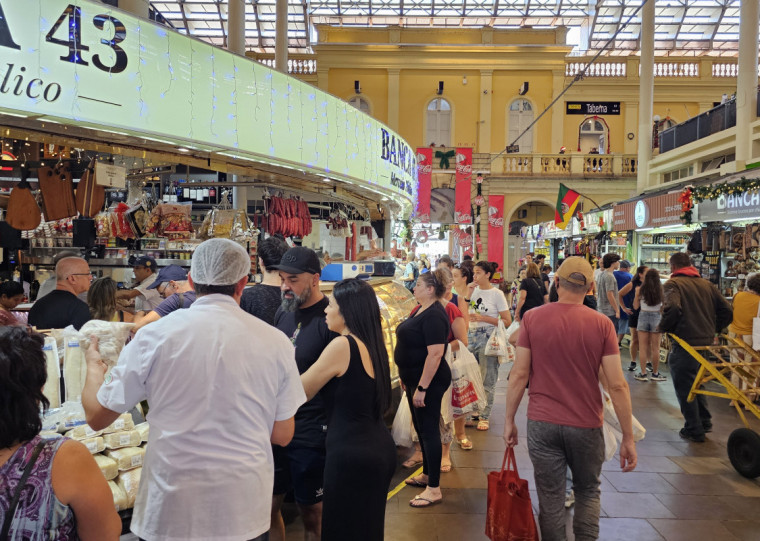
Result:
x=123 y=422
x=111 y=338
x=52 y=388
x=129 y=482
x=143 y=429
x=119 y=497
x=95 y=445
x=126 y=438
x=108 y=466
x=74 y=368
x=82 y=432
x=127 y=458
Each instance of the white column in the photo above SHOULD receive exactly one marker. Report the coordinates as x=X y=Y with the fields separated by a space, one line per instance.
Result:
x=394 y=97
x=236 y=26
x=646 y=95
x=136 y=7
x=746 y=81
x=281 y=37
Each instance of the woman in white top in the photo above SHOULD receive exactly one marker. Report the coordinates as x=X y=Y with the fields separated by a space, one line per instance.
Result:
x=486 y=305
x=649 y=297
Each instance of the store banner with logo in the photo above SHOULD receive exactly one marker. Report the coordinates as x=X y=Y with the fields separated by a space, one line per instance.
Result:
x=463 y=204
x=425 y=179
x=496 y=229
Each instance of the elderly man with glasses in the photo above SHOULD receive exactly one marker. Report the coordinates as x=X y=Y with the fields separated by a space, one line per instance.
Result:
x=172 y=284
x=61 y=307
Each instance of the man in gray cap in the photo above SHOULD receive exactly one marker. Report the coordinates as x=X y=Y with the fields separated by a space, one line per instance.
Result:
x=222 y=387
x=173 y=287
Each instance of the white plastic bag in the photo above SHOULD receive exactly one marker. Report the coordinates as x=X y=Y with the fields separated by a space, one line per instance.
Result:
x=497 y=342
x=756 y=330
x=610 y=442
x=467 y=392
x=512 y=328
x=402 y=424
x=611 y=419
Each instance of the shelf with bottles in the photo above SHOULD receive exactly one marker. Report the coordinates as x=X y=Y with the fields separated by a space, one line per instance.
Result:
x=664 y=239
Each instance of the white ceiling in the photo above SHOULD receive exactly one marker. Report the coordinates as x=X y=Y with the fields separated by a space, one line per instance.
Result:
x=682 y=27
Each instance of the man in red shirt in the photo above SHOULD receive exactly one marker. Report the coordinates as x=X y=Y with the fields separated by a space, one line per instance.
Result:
x=564 y=352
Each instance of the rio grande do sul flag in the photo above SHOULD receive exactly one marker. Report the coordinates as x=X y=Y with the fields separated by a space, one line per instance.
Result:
x=567 y=200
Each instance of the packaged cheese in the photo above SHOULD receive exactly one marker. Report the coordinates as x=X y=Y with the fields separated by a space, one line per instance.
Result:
x=74 y=368
x=111 y=338
x=119 y=497
x=52 y=388
x=143 y=429
x=126 y=438
x=124 y=422
x=82 y=432
x=129 y=481
x=95 y=445
x=108 y=466
x=127 y=458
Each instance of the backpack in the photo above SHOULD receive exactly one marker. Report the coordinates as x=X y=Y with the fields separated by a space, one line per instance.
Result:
x=416 y=273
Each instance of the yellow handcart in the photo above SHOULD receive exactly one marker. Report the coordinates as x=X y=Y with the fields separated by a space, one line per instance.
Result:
x=743 y=443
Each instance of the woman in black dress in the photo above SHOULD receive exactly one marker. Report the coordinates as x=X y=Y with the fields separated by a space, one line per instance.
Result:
x=420 y=345
x=354 y=377
x=532 y=293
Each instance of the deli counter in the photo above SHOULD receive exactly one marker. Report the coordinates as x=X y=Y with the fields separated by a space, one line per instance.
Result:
x=396 y=303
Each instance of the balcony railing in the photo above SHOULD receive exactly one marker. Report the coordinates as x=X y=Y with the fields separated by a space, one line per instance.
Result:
x=713 y=121
x=707 y=67
x=297 y=64
x=597 y=69
x=567 y=165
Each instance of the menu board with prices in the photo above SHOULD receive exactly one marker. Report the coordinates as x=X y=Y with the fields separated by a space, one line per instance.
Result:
x=710 y=266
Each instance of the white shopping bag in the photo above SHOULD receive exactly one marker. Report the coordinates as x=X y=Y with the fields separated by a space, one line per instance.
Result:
x=402 y=424
x=756 y=330
x=497 y=343
x=467 y=392
x=610 y=418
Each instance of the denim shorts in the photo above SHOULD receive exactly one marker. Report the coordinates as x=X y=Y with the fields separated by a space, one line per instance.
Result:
x=648 y=321
x=622 y=326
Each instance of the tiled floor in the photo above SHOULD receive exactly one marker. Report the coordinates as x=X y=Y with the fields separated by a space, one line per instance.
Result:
x=679 y=491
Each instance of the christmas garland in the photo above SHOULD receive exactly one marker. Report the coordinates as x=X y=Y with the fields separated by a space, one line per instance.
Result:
x=696 y=194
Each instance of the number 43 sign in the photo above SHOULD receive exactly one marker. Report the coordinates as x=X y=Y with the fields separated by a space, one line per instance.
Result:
x=67 y=32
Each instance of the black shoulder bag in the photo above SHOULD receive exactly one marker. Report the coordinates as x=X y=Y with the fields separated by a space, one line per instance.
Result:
x=19 y=488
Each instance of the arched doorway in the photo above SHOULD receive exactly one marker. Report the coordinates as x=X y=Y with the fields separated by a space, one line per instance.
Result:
x=439 y=122
x=527 y=236
x=593 y=136
x=519 y=118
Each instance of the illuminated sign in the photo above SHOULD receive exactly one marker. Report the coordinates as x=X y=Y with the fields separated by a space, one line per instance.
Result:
x=84 y=63
x=592 y=108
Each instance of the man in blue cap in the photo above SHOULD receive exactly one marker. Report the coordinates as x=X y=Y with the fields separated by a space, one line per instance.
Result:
x=172 y=285
x=146 y=298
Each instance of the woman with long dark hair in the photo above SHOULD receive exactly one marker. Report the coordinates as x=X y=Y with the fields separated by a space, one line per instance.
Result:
x=487 y=305
x=648 y=299
x=65 y=496
x=532 y=293
x=633 y=313
x=354 y=377
x=420 y=345
x=11 y=295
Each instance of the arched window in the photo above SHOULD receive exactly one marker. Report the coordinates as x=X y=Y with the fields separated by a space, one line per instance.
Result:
x=360 y=103
x=519 y=118
x=439 y=122
x=592 y=136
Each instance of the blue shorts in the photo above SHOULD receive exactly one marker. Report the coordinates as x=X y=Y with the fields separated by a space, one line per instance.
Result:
x=648 y=321
x=622 y=326
x=301 y=469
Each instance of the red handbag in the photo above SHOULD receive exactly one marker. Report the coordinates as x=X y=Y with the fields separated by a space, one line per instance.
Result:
x=509 y=516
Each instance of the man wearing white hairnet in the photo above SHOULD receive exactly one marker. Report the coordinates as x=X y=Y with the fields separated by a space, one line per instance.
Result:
x=221 y=385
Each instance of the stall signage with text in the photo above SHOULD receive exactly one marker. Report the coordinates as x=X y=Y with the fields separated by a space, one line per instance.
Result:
x=659 y=211
x=730 y=207
x=592 y=108
x=87 y=64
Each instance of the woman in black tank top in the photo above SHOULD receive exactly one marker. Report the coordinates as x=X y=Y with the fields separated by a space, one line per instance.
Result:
x=354 y=377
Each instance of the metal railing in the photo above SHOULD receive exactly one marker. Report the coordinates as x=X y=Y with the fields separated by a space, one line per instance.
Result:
x=713 y=121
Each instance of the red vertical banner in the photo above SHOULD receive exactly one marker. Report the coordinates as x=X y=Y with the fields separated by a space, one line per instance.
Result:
x=463 y=192
x=496 y=229
x=425 y=179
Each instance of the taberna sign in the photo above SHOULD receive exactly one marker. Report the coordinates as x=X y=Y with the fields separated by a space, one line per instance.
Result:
x=592 y=108
x=730 y=207
x=84 y=63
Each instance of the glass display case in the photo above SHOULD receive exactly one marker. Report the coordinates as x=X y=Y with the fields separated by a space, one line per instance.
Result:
x=396 y=302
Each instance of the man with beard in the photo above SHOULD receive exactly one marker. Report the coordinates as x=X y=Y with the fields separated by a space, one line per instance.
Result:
x=300 y=466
